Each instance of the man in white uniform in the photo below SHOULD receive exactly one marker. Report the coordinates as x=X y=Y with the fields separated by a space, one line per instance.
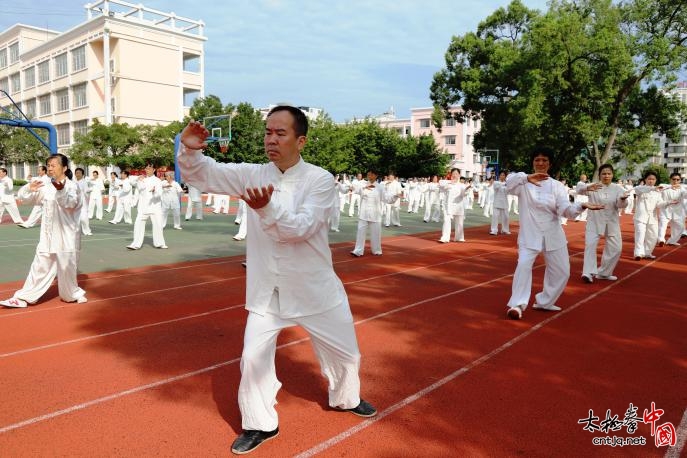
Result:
x=290 y=278
x=392 y=216
x=372 y=196
x=149 y=206
x=500 y=212
x=195 y=200
x=95 y=199
x=37 y=210
x=355 y=194
x=7 y=200
x=57 y=253
x=82 y=183
x=454 y=207
x=542 y=201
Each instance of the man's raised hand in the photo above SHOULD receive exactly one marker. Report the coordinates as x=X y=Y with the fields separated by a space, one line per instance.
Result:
x=194 y=134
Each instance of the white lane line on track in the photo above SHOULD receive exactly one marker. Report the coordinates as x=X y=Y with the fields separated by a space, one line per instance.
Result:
x=345 y=434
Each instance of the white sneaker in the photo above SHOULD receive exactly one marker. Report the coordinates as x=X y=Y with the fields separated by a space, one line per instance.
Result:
x=548 y=308
x=162 y=247
x=607 y=277
x=14 y=303
x=82 y=300
x=130 y=247
x=587 y=278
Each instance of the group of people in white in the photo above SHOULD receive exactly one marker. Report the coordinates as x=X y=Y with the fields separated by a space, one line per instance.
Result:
x=657 y=209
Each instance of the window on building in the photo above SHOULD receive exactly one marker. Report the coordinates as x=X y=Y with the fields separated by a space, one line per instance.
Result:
x=30 y=77
x=30 y=108
x=79 y=58
x=44 y=72
x=45 y=107
x=62 y=100
x=467 y=121
x=424 y=123
x=191 y=63
x=79 y=96
x=61 y=68
x=63 y=137
x=5 y=84
x=189 y=96
x=14 y=52
x=450 y=140
x=80 y=127
x=468 y=138
x=450 y=122
x=3 y=57
x=15 y=82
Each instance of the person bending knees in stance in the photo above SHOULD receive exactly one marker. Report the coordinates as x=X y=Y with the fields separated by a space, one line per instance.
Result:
x=290 y=277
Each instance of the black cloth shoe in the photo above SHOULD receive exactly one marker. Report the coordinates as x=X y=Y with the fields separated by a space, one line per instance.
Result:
x=364 y=409
x=249 y=440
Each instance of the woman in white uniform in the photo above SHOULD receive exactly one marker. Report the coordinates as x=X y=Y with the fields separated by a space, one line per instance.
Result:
x=57 y=253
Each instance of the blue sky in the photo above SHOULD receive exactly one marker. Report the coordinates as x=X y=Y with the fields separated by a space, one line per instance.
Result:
x=350 y=57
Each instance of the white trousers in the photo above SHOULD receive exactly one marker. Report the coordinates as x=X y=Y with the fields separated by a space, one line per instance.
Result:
x=176 y=215
x=500 y=216
x=123 y=210
x=646 y=236
x=198 y=206
x=613 y=245
x=111 y=202
x=512 y=203
x=457 y=222
x=95 y=206
x=355 y=200
x=677 y=227
x=432 y=210
x=556 y=276
x=333 y=338
x=392 y=215
x=375 y=237
x=34 y=216
x=13 y=211
x=334 y=219
x=44 y=268
x=84 y=222
x=243 y=228
x=140 y=229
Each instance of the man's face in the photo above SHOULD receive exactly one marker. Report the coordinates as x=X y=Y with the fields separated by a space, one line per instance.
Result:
x=150 y=170
x=78 y=174
x=282 y=146
x=371 y=177
x=650 y=180
x=3 y=174
x=55 y=168
x=606 y=176
x=541 y=164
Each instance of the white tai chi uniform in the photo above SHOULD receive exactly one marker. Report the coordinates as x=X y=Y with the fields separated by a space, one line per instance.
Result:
x=84 y=222
x=453 y=210
x=243 y=224
x=432 y=208
x=648 y=200
x=541 y=231
x=335 y=218
x=57 y=253
x=195 y=200
x=124 y=198
x=393 y=209
x=500 y=212
x=355 y=195
x=112 y=195
x=149 y=206
x=290 y=280
x=603 y=223
x=580 y=199
x=371 y=201
x=7 y=200
x=488 y=199
x=37 y=210
x=95 y=199
x=674 y=212
x=171 y=193
x=222 y=202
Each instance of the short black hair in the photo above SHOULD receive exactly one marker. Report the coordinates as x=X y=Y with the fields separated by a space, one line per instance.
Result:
x=648 y=173
x=543 y=151
x=606 y=166
x=300 y=121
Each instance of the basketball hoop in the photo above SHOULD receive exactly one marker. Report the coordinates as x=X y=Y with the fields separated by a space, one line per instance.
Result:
x=223 y=146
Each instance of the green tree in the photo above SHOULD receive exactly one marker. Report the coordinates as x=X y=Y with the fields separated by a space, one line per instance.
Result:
x=157 y=145
x=329 y=145
x=107 y=144
x=582 y=76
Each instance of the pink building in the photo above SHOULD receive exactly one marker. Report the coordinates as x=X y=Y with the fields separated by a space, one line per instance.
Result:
x=454 y=139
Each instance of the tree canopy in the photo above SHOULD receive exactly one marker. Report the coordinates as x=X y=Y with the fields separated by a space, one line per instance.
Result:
x=583 y=78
